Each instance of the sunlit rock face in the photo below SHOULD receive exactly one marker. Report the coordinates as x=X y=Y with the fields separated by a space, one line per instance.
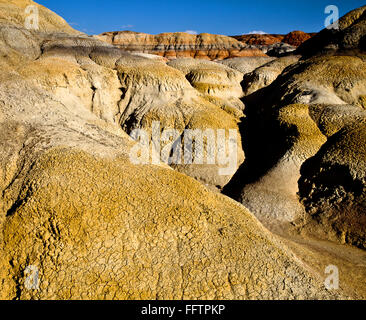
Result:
x=301 y=158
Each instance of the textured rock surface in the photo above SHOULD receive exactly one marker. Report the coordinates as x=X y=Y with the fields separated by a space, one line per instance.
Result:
x=103 y=240
x=180 y=45
x=266 y=74
x=154 y=91
x=13 y=13
x=280 y=49
x=246 y=64
x=350 y=36
x=275 y=44
x=333 y=187
x=205 y=46
x=219 y=83
x=289 y=131
x=326 y=93
x=133 y=91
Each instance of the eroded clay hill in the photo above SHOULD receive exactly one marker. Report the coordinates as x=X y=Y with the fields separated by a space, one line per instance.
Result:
x=13 y=13
x=93 y=224
x=305 y=159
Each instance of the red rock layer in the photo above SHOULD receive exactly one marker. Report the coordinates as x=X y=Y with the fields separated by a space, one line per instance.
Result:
x=294 y=38
x=259 y=39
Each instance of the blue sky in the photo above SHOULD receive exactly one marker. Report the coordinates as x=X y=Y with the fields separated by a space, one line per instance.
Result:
x=230 y=17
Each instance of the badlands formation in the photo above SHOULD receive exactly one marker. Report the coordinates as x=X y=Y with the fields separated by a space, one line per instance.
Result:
x=94 y=225
x=181 y=45
x=205 y=46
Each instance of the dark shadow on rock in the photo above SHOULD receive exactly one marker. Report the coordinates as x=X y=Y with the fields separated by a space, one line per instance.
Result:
x=264 y=141
x=334 y=200
x=319 y=180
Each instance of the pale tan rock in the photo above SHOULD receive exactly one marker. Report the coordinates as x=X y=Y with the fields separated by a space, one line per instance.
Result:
x=246 y=64
x=327 y=80
x=13 y=13
x=294 y=121
x=266 y=74
x=271 y=194
x=157 y=92
x=219 y=83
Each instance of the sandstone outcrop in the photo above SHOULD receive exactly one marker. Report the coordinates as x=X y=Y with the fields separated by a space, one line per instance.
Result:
x=134 y=90
x=311 y=104
x=266 y=74
x=219 y=83
x=93 y=243
x=279 y=49
x=246 y=64
x=296 y=38
x=311 y=110
x=333 y=187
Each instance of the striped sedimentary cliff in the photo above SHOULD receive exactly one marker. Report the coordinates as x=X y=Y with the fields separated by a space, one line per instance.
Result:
x=181 y=45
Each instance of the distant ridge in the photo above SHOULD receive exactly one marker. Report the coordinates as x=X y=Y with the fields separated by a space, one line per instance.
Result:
x=205 y=46
x=181 y=45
